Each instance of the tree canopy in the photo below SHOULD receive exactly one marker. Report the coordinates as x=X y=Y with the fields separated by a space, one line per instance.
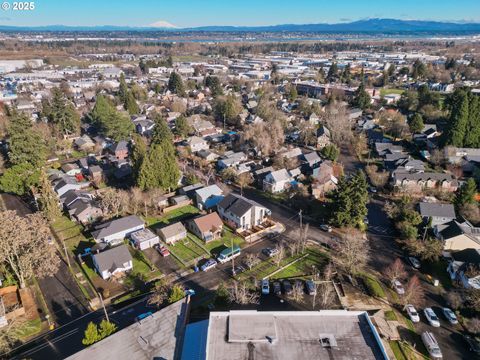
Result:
x=348 y=202
x=61 y=113
x=175 y=84
x=464 y=120
x=114 y=124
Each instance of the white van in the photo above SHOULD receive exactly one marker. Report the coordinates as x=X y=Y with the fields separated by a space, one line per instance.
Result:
x=432 y=345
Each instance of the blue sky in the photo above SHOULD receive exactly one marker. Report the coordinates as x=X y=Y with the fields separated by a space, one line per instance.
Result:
x=185 y=13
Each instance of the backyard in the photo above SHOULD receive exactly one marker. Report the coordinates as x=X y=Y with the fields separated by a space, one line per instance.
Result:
x=185 y=212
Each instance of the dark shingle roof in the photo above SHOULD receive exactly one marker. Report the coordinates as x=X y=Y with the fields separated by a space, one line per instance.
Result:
x=236 y=204
x=112 y=258
x=437 y=210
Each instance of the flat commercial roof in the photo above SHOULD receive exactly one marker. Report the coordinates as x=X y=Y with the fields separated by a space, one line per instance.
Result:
x=329 y=334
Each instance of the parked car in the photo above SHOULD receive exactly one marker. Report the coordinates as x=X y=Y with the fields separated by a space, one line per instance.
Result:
x=432 y=345
x=287 y=287
x=209 y=264
x=299 y=283
x=414 y=262
x=450 y=316
x=326 y=227
x=162 y=250
x=413 y=314
x=372 y=189
x=270 y=252
x=397 y=285
x=365 y=220
x=311 y=288
x=431 y=317
x=473 y=343
x=238 y=269
x=277 y=289
x=265 y=287
x=144 y=315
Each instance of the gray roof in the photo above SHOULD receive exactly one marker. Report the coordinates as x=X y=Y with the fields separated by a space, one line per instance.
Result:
x=120 y=146
x=292 y=335
x=206 y=192
x=236 y=204
x=113 y=258
x=172 y=230
x=117 y=225
x=280 y=175
x=158 y=336
x=437 y=210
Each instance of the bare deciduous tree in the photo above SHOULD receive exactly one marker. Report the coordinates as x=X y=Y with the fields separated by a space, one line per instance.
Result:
x=251 y=260
x=24 y=246
x=325 y=290
x=414 y=292
x=395 y=271
x=280 y=255
x=244 y=179
x=336 y=120
x=111 y=203
x=454 y=300
x=266 y=137
x=352 y=251
x=242 y=294
x=378 y=179
x=297 y=292
x=160 y=293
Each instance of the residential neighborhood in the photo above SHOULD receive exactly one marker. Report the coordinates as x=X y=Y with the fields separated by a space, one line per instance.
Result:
x=221 y=194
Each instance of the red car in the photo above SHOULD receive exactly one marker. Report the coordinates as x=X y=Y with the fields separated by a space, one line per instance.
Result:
x=162 y=250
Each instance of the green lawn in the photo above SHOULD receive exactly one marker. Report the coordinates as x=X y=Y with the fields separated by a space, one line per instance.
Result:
x=142 y=266
x=373 y=285
x=305 y=266
x=187 y=250
x=391 y=91
x=300 y=268
x=70 y=232
x=172 y=217
x=397 y=350
x=29 y=328
x=225 y=241
x=390 y=315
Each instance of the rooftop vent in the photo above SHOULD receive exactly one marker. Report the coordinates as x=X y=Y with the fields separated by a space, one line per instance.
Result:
x=328 y=341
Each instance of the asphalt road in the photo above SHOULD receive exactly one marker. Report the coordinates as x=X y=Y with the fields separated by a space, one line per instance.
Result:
x=67 y=339
x=64 y=299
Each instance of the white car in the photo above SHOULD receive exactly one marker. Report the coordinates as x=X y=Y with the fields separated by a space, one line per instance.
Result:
x=326 y=227
x=265 y=287
x=397 y=285
x=431 y=317
x=450 y=316
x=211 y=263
x=413 y=314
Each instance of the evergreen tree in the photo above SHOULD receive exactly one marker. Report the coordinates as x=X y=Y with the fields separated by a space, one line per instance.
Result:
x=330 y=152
x=227 y=109
x=24 y=143
x=213 y=83
x=19 y=179
x=91 y=334
x=107 y=328
x=48 y=200
x=175 y=84
x=472 y=136
x=112 y=123
x=419 y=70
x=161 y=132
x=332 y=72
x=458 y=119
x=182 y=127
x=361 y=99
x=416 y=123
x=292 y=93
x=130 y=104
x=123 y=90
x=139 y=150
x=465 y=194
x=61 y=113
x=348 y=202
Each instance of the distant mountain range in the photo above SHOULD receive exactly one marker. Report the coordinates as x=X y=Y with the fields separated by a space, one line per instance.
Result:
x=373 y=26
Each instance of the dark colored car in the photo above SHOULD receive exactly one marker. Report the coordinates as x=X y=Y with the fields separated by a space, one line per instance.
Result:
x=473 y=343
x=236 y=270
x=311 y=288
x=269 y=252
x=287 y=287
x=277 y=289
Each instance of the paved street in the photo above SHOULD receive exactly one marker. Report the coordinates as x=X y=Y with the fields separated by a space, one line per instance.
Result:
x=64 y=299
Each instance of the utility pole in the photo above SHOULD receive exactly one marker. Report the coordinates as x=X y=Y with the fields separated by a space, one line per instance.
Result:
x=233 y=261
x=66 y=253
x=103 y=304
x=300 y=216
